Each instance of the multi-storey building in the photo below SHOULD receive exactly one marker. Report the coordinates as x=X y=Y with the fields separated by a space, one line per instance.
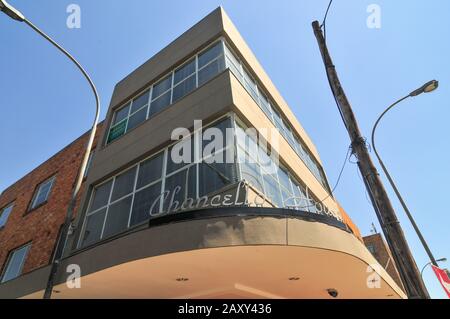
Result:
x=240 y=207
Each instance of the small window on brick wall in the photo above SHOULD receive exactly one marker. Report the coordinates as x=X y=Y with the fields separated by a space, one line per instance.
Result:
x=42 y=192
x=15 y=262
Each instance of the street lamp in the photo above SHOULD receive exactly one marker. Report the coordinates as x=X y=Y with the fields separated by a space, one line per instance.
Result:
x=17 y=15
x=429 y=263
x=427 y=87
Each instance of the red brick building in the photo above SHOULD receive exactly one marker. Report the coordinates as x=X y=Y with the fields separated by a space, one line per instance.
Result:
x=36 y=206
x=379 y=249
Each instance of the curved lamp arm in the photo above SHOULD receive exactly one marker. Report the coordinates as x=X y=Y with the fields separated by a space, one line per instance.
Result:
x=427 y=87
x=17 y=15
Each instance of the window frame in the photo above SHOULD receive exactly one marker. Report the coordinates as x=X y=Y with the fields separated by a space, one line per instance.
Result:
x=171 y=73
x=6 y=265
x=37 y=192
x=2 y=212
x=162 y=179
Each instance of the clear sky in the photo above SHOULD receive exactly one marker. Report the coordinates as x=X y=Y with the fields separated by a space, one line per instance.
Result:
x=46 y=103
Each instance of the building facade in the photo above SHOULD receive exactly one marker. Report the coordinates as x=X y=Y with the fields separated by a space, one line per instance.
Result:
x=205 y=185
x=379 y=249
x=33 y=209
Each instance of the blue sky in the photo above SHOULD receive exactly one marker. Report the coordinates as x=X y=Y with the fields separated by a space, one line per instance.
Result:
x=46 y=103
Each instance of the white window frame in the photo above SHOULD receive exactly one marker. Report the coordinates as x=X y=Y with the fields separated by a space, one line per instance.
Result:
x=37 y=192
x=9 y=259
x=10 y=206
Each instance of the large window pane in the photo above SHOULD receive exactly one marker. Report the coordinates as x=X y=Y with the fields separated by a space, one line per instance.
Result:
x=150 y=171
x=162 y=86
x=214 y=176
x=216 y=136
x=15 y=263
x=4 y=214
x=283 y=177
x=117 y=218
x=180 y=155
x=180 y=186
x=183 y=88
x=233 y=63
x=210 y=71
x=42 y=192
x=143 y=202
x=209 y=55
x=121 y=114
x=140 y=101
x=272 y=191
x=136 y=119
x=101 y=196
x=123 y=184
x=93 y=228
x=184 y=72
x=160 y=103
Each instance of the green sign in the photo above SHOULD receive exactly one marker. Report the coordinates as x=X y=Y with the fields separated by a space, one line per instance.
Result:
x=117 y=131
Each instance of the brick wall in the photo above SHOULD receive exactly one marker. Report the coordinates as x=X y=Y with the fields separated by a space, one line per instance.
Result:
x=41 y=226
x=379 y=249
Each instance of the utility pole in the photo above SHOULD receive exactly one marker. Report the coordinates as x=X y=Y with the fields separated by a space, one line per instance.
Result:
x=409 y=273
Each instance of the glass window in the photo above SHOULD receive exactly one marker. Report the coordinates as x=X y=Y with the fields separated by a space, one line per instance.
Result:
x=140 y=101
x=143 y=202
x=180 y=186
x=101 y=196
x=272 y=190
x=15 y=263
x=233 y=63
x=184 y=72
x=162 y=86
x=123 y=184
x=217 y=136
x=160 y=103
x=4 y=214
x=93 y=228
x=137 y=118
x=265 y=105
x=215 y=176
x=88 y=165
x=121 y=114
x=42 y=193
x=117 y=217
x=250 y=85
x=209 y=55
x=210 y=71
x=150 y=170
x=183 y=88
x=176 y=157
x=250 y=171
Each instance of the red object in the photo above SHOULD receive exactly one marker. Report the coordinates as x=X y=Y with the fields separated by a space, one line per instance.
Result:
x=443 y=278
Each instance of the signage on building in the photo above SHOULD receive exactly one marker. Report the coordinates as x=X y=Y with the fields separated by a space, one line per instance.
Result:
x=117 y=131
x=235 y=196
x=443 y=278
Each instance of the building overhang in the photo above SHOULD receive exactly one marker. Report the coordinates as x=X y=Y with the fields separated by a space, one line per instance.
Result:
x=237 y=252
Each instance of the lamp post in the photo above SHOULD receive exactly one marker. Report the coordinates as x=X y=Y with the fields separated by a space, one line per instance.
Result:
x=429 y=263
x=427 y=87
x=17 y=15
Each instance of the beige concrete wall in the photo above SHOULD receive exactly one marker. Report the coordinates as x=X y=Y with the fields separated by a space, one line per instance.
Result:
x=241 y=47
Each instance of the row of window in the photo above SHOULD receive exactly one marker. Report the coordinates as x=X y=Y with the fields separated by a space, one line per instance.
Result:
x=128 y=199
x=271 y=111
x=171 y=88
x=193 y=74
x=40 y=196
x=131 y=197
x=266 y=175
